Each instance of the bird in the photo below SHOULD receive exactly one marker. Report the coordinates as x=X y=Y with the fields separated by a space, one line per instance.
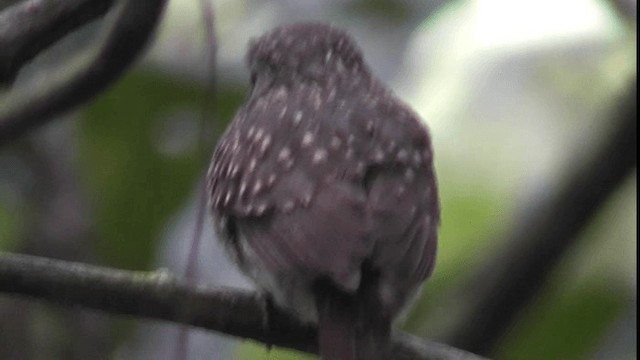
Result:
x=322 y=189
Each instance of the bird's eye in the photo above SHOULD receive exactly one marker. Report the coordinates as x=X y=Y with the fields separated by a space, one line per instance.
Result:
x=253 y=78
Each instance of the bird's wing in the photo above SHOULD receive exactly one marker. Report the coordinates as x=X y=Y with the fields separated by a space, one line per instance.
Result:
x=283 y=171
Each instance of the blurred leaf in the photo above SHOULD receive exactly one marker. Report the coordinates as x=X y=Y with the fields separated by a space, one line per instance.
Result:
x=8 y=232
x=567 y=325
x=385 y=10
x=135 y=186
x=250 y=350
x=471 y=222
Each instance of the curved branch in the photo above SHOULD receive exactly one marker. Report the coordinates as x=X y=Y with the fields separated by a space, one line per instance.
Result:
x=510 y=279
x=158 y=295
x=22 y=111
x=31 y=26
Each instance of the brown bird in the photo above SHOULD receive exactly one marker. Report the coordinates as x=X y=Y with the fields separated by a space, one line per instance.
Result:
x=323 y=190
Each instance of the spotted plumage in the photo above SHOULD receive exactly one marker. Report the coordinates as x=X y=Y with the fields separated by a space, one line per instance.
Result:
x=324 y=177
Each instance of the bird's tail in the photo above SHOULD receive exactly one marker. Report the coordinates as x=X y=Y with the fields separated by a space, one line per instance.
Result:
x=351 y=326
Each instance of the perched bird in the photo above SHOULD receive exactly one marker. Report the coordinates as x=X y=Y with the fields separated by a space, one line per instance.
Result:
x=323 y=190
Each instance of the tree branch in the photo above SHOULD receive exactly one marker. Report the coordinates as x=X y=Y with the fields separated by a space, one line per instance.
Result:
x=626 y=10
x=511 y=278
x=158 y=295
x=31 y=26
x=21 y=111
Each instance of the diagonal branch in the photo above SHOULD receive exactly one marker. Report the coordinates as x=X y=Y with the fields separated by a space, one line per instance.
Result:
x=626 y=10
x=158 y=295
x=21 y=111
x=510 y=279
x=31 y=26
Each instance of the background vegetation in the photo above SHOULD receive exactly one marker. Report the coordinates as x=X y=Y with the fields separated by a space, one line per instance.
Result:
x=516 y=94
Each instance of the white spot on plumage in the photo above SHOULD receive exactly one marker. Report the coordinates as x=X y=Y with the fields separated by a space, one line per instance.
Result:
x=348 y=154
x=297 y=118
x=288 y=164
x=402 y=156
x=305 y=200
x=335 y=143
x=235 y=170
x=266 y=142
x=409 y=175
x=243 y=188
x=257 y=187
x=320 y=155
x=260 y=209
x=417 y=158
x=307 y=139
x=252 y=164
x=271 y=179
x=288 y=206
x=216 y=169
x=378 y=155
x=316 y=99
x=369 y=128
x=284 y=154
x=261 y=104
x=248 y=209
x=283 y=112
x=281 y=93
x=228 y=170
x=332 y=94
x=259 y=134
x=327 y=56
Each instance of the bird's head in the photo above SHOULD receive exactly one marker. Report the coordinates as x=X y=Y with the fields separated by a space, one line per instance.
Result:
x=305 y=52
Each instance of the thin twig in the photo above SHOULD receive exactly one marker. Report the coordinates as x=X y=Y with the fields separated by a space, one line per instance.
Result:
x=28 y=27
x=21 y=111
x=158 y=295
x=204 y=139
x=511 y=278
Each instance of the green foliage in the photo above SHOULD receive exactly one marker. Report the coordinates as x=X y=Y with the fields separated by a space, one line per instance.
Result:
x=384 y=10
x=250 y=350
x=8 y=231
x=133 y=185
x=565 y=324
x=471 y=222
